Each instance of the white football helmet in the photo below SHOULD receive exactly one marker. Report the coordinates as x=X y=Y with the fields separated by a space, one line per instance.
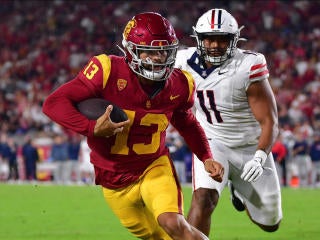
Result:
x=217 y=22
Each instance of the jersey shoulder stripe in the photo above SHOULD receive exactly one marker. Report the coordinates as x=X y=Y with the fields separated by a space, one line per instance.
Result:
x=105 y=62
x=259 y=74
x=259 y=69
x=190 y=83
x=261 y=65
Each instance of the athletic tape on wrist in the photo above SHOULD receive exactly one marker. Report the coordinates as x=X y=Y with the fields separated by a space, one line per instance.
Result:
x=261 y=156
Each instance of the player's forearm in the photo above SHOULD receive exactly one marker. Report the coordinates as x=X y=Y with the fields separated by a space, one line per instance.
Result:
x=269 y=133
x=193 y=134
x=59 y=107
x=198 y=144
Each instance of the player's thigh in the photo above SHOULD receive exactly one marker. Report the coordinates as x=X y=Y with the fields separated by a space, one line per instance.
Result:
x=160 y=188
x=127 y=205
x=201 y=178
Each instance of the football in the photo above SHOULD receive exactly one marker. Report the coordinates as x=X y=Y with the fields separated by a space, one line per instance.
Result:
x=93 y=108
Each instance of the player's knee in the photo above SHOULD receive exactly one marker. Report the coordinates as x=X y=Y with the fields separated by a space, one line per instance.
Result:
x=139 y=229
x=172 y=223
x=205 y=199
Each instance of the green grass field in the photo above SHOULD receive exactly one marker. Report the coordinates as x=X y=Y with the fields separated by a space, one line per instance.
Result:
x=41 y=211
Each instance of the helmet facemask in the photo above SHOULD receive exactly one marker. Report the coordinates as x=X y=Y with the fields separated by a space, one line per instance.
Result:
x=146 y=68
x=146 y=35
x=217 y=22
x=225 y=53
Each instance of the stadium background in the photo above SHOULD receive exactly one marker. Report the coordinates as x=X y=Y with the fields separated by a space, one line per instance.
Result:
x=43 y=44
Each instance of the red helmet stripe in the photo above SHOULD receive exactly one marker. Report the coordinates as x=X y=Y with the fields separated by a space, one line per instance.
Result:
x=215 y=18
x=212 y=19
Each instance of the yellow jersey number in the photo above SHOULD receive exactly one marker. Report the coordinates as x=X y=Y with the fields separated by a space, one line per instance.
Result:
x=120 y=146
x=90 y=70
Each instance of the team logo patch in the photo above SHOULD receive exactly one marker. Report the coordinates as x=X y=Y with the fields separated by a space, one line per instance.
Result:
x=121 y=84
x=148 y=104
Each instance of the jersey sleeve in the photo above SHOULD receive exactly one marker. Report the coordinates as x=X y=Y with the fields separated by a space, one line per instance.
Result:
x=60 y=105
x=192 y=132
x=187 y=125
x=96 y=73
x=182 y=56
x=258 y=69
x=179 y=59
x=191 y=88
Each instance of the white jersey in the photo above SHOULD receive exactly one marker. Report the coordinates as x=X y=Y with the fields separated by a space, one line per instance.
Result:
x=221 y=102
x=222 y=108
x=85 y=164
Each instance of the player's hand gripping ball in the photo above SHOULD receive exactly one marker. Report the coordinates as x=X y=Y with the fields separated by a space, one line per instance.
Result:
x=93 y=108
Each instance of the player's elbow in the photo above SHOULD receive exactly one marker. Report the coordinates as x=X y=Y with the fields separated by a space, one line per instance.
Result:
x=274 y=125
x=270 y=125
x=47 y=106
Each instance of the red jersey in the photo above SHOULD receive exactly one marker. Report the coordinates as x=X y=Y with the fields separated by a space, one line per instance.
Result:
x=121 y=159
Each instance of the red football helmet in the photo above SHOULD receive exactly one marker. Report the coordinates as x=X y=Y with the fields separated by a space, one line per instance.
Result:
x=151 y=32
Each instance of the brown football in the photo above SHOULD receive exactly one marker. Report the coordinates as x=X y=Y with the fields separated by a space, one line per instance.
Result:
x=93 y=108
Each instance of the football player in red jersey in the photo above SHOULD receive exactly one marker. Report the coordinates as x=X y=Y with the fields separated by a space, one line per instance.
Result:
x=131 y=161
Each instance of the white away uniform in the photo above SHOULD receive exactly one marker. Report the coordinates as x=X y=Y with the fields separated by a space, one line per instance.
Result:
x=222 y=108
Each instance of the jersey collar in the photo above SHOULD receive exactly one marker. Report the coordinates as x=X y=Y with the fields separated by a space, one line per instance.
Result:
x=195 y=63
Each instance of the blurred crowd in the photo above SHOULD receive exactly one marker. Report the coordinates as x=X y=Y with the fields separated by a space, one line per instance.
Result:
x=44 y=44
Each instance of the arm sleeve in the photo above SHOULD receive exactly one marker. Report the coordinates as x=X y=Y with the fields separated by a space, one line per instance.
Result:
x=258 y=69
x=60 y=106
x=192 y=132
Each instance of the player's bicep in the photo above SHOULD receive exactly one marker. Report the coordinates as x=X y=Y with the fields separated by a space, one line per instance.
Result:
x=261 y=101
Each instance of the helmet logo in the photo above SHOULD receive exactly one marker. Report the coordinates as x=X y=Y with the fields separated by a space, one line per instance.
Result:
x=121 y=84
x=131 y=24
x=216 y=20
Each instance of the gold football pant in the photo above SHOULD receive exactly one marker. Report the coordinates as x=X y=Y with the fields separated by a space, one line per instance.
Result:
x=139 y=204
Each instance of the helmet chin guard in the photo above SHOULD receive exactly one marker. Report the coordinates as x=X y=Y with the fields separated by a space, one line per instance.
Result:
x=150 y=32
x=217 y=22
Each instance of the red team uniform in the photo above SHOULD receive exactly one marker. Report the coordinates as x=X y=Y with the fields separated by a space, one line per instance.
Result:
x=133 y=164
x=127 y=157
x=120 y=160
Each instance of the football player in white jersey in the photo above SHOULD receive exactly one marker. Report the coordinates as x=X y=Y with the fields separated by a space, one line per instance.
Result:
x=236 y=107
